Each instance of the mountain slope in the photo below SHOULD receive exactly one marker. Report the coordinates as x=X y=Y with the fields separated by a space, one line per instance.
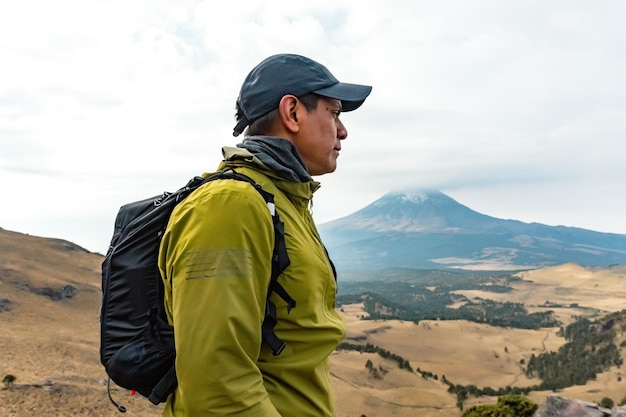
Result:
x=49 y=321
x=428 y=229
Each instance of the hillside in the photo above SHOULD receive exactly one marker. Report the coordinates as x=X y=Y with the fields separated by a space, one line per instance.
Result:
x=50 y=341
x=50 y=298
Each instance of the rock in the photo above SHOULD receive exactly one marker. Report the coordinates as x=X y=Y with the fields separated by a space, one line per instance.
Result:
x=67 y=291
x=556 y=406
x=618 y=411
x=5 y=304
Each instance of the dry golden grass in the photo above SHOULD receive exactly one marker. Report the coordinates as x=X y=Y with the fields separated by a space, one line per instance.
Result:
x=465 y=353
x=52 y=346
x=485 y=356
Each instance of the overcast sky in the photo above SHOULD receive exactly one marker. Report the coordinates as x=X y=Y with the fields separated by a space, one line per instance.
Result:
x=516 y=109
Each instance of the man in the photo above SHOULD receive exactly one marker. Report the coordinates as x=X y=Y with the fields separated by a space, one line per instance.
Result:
x=215 y=256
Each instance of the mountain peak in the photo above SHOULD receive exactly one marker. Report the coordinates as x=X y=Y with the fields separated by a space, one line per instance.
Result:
x=410 y=196
x=413 y=210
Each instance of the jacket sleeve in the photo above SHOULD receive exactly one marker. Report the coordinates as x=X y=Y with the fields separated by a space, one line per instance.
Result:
x=216 y=255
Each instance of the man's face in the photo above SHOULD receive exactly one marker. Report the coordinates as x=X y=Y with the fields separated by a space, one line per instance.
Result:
x=319 y=140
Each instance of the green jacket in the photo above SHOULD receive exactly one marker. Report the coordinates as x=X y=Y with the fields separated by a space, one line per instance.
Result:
x=215 y=260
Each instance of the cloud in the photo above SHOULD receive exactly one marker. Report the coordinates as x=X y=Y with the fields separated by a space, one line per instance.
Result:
x=514 y=107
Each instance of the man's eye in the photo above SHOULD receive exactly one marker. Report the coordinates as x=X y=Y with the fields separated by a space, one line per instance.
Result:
x=337 y=113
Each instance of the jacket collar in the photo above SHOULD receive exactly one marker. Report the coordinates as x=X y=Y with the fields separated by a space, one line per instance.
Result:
x=240 y=157
x=279 y=155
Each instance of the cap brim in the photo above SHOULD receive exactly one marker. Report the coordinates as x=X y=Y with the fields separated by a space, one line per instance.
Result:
x=351 y=95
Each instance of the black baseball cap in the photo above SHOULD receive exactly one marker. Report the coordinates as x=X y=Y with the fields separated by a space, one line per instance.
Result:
x=284 y=74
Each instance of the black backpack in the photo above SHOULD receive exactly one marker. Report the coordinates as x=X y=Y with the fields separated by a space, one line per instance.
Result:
x=136 y=341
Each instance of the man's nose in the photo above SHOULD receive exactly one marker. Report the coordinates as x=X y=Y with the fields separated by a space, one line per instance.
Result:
x=342 y=132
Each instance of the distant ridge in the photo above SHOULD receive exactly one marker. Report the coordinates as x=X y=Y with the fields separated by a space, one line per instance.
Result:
x=428 y=229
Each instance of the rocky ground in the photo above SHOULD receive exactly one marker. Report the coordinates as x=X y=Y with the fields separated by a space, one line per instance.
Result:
x=54 y=399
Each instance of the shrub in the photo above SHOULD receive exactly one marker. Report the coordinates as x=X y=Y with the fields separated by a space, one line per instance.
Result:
x=9 y=380
x=606 y=402
x=507 y=406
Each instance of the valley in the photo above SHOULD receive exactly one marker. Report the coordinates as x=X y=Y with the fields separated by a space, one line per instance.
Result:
x=50 y=342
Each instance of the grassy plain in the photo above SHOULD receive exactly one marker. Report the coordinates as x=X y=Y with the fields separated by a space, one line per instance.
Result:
x=469 y=353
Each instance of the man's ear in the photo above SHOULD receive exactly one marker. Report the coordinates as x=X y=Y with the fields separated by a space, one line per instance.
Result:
x=288 y=109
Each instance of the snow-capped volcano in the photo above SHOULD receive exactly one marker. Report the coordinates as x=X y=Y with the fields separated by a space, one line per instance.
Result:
x=428 y=229
x=412 y=211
